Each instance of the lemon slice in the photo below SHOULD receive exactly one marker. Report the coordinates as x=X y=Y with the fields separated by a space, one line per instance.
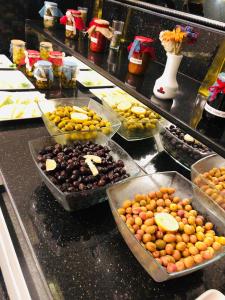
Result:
x=138 y=110
x=96 y=159
x=166 y=222
x=50 y=164
x=124 y=106
x=92 y=167
x=79 y=109
x=189 y=138
x=79 y=117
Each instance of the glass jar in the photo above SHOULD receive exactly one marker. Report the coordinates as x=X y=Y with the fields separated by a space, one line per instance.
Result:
x=43 y=74
x=50 y=14
x=45 y=49
x=56 y=58
x=84 y=12
x=99 y=32
x=140 y=53
x=32 y=56
x=73 y=23
x=69 y=74
x=17 y=50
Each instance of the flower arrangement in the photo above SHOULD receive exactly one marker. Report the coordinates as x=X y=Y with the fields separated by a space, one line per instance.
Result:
x=174 y=40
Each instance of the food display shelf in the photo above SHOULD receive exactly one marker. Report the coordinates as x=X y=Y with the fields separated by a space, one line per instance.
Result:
x=81 y=255
x=179 y=111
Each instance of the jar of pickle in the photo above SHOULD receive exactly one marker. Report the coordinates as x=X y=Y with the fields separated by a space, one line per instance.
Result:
x=45 y=49
x=73 y=23
x=140 y=52
x=43 y=74
x=50 y=14
x=17 y=51
x=32 y=56
x=69 y=74
x=56 y=58
x=99 y=32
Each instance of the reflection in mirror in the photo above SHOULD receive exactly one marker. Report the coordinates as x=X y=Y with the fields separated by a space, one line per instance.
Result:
x=212 y=9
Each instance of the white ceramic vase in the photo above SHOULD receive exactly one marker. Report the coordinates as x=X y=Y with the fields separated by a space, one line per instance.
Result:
x=166 y=86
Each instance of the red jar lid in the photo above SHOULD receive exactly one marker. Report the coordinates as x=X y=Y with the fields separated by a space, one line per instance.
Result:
x=74 y=12
x=56 y=53
x=33 y=52
x=143 y=39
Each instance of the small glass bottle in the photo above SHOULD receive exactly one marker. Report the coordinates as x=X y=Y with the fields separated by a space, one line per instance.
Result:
x=45 y=49
x=43 y=74
x=69 y=74
x=17 y=50
x=56 y=58
x=32 y=56
x=99 y=32
x=140 y=52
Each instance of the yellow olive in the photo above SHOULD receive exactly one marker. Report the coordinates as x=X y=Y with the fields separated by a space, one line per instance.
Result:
x=78 y=127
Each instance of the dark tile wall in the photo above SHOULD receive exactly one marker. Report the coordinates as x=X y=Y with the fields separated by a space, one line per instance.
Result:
x=198 y=57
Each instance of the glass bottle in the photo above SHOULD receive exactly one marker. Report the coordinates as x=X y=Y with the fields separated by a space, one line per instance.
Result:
x=212 y=123
x=217 y=66
x=43 y=74
x=32 y=56
x=45 y=49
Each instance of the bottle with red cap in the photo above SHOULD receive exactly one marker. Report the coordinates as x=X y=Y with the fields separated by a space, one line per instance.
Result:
x=212 y=123
x=140 y=52
x=99 y=32
x=73 y=23
x=32 y=56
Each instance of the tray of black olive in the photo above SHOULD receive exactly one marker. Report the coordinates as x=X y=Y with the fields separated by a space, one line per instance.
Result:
x=78 y=172
x=181 y=146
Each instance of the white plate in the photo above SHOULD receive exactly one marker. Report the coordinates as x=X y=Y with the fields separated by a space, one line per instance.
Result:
x=79 y=63
x=20 y=105
x=5 y=63
x=113 y=96
x=211 y=295
x=14 y=80
x=92 y=79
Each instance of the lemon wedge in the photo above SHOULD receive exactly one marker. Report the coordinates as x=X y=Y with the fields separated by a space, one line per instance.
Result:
x=166 y=222
x=96 y=159
x=79 y=109
x=138 y=110
x=79 y=117
x=50 y=164
x=92 y=167
x=124 y=106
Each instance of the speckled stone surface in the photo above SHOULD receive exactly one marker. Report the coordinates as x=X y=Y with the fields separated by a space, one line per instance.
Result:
x=82 y=254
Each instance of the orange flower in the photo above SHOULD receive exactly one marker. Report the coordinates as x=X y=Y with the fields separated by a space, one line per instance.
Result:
x=176 y=35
